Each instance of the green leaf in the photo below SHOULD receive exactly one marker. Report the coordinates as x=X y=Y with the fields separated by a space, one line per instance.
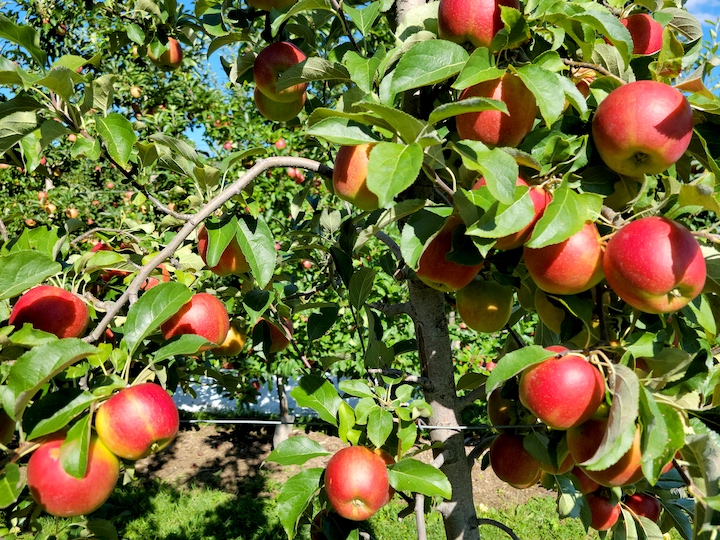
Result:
x=343 y=131
x=346 y=425
x=413 y=476
x=361 y=285
x=63 y=408
x=405 y=125
x=655 y=440
x=152 y=309
x=502 y=220
x=14 y=127
x=363 y=18
x=296 y=451
x=515 y=362
x=295 y=496
x=312 y=69
x=479 y=67
x=318 y=394
x=25 y=36
x=118 y=135
x=24 y=269
x=11 y=484
x=544 y=86
x=74 y=450
x=420 y=229
x=61 y=81
x=475 y=104
x=428 y=63
x=258 y=245
x=186 y=344
x=362 y=70
x=357 y=388
x=319 y=323
x=379 y=426
x=498 y=168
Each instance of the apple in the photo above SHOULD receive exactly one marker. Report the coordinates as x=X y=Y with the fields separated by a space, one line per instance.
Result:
x=584 y=440
x=644 y=504
x=72 y=213
x=642 y=127
x=63 y=495
x=270 y=63
x=568 y=267
x=495 y=128
x=505 y=412
x=655 y=265
x=356 y=482
x=563 y=392
x=280 y=144
x=138 y=421
x=51 y=309
x=72 y=137
x=234 y=342
x=603 y=513
x=549 y=314
x=350 y=176
x=587 y=484
x=7 y=428
x=565 y=466
x=485 y=306
x=203 y=315
x=135 y=91
x=476 y=22
x=275 y=110
x=267 y=5
x=279 y=340
x=171 y=59
x=228 y=145
x=646 y=33
x=512 y=463
x=435 y=270
x=540 y=199
x=232 y=261
x=388 y=459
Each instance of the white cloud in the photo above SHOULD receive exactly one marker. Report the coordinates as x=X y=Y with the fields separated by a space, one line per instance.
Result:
x=704 y=9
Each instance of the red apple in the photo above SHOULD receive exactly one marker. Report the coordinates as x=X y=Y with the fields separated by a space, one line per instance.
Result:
x=512 y=463
x=540 y=199
x=228 y=145
x=505 y=412
x=562 y=392
x=646 y=33
x=280 y=144
x=655 y=265
x=569 y=267
x=644 y=504
x=475 y=21
x=172 y=58
x=439 y=273
x=495 y=128
x=604 y=514
x=138 y=421
x=485 y=306
x=232 y=260
x=587 y=484
x=272 y=61
x=203 y=315
x=356 y=482
x=642 y=127
x=275 y=110
x=279 y=340
x=51 y=309
x=350 y=176
x=63 y=495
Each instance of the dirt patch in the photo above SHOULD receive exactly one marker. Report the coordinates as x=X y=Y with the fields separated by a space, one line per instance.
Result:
x=233 y=459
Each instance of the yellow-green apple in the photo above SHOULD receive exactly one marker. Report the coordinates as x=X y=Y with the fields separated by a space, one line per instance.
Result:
x=562 y=392
x=603 y=513
x=51 y=309
x=232 y=260
x=568 y=267
x=646 y=33
x=63 y=495
x=642 y=127
x=644 y=504
x=475 y=21
x=485 y=306
x=172 y=58
x=272 y=61
x=234 y=342
x=584 y=440
x=267 y=5
x=655 y=265
x=203 y=315
x=138 y=421
x=275 y=110
x=540 y=199
x=356 y=482
x=512 y=463
x=136 y=92
x=436 y=271
x=350 y=176
x=279 y=339
x=495 y=128
x=549 y=314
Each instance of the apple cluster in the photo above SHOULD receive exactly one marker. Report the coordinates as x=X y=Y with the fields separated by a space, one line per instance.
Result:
x=270 y=64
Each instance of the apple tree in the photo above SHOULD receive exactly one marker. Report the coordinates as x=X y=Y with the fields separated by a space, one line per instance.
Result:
x=541 y=173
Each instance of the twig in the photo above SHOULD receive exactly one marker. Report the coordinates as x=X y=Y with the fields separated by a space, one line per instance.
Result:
x=714 y=238
x=501 y=526
x=392 y=310
x=479 y=449
x=392 y=244
x=411 y=379
x=420 y=516
x=468 y=399
x=160 y=206
x=595 y=67
x=341 y=16
x=89 y=233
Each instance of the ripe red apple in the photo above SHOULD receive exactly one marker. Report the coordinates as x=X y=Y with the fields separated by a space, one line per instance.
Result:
x=280 y=144
x=512 y=463
x=138 y=421
x=476 y=22
x=350 y=176
x=646 y=33
x=439 y=273
x=275 y=110
x=63 y=495
x=51 y=309
x=604 y=514
x=655 y=265
x=642 y=127
x=228 y=145
x=644 y=504
x=356 y=482
x=232 y=260
x=569 y=267
x=562 y=392
x=495 y=128
x=234 y=342
x=171 y=59
x=203 y=315
x=272 y=61
x=587 y=484
x=485 y=306
x=267 y=5
x=584 y=440
x=279 y=341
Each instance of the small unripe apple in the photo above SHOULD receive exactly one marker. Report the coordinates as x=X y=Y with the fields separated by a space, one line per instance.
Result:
x=203 y=315
x=280 y=144
x=135 y=91
x=475 y=21
x=228 y=145
x=72 y=213
x=350 y=176
x=51 y=309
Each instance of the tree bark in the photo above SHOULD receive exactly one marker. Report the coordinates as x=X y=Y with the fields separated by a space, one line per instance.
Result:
x=282 y=430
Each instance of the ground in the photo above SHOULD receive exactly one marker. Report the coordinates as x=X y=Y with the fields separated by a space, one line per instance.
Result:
x=229 y=457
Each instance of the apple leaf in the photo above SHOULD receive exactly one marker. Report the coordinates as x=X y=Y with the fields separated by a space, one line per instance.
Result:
x=295 y=496
x=74 y=450
x=499 y=168
x=420 y=229
x=362 y=70
x=395 y=213
x=413 y=476
x=515 y=362
x=405 y=125
x=23 y=269
x=296 y=451
x=363 y=18
x=357 y=388
x=11 y=484
x=676 y=515
x=258 y=245
x=346 y=425
x=501 y=220
x=152 y=309
x=570 y=499
x=319 y=323
x=473 y=104
x=655 y=439
x=343 y=131
x=361 y=285
x=478 y=68
x=407 y=435
x=102 y=528
x=318 y=394
x=219 y=235
x=379 y=426
x=544 y=85
x=312 y=69
x=118 y=135
x=427 y=63
x=25 y=36
x=185 y=344
x=54 y=411
x=393 y=168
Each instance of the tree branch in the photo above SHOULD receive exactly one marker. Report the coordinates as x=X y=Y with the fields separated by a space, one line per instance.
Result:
x=468 y=399
x=595 y=67
x=501 y=526
x=393 y=310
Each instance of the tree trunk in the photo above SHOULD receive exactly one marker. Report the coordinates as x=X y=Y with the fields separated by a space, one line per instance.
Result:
x=282 y=430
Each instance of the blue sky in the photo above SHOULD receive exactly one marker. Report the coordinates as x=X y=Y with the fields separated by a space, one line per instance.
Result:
x=704 y=9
